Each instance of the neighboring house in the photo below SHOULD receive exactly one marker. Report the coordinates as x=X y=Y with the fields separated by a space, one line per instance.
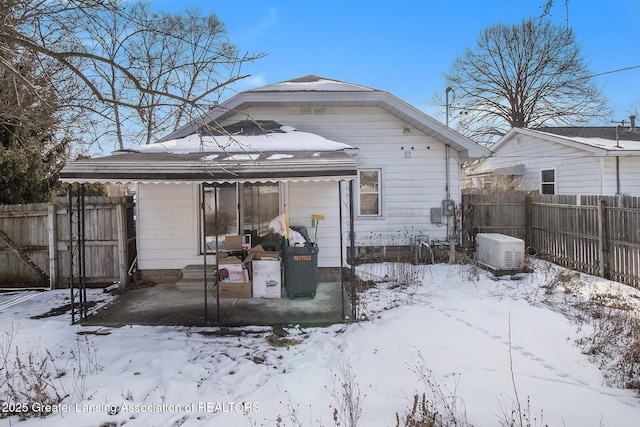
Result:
x=565 y=160
x=295 y=146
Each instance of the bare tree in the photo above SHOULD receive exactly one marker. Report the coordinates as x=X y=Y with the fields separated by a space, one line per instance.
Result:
x=525 y=75
x=194 y=63
x=148 y=70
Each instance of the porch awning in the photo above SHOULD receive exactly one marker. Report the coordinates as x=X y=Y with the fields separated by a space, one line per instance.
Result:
x=516 y=170
x=281 y=154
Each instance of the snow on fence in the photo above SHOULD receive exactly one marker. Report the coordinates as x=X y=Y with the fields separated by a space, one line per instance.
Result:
x=34 y=242
x=595 y=234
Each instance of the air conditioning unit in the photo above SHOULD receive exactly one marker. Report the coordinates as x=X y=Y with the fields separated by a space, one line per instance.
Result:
x=499 y=252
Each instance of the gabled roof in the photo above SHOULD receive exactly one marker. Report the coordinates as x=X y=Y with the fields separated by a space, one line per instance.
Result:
x=601 y=141
x=311 y=91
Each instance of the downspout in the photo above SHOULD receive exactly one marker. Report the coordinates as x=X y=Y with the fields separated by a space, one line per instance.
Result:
x=450 y=238
x=618 y=190
x=447 y=185
x=446 y=155
x=342 y=245
x=352 y=239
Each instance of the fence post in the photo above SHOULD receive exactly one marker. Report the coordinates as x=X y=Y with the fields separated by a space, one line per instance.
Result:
x=122 y=242
x=52 y=227
x=528 y=222
x=602 y=239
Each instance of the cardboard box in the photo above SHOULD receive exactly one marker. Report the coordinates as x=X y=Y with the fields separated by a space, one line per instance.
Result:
x=234 y=290
x=261 y=255
x=268 y=255
x=234 y=273
x=232 y=270
x=256 y=249
x=266 y=278
x=234 y=279
x=232 y=243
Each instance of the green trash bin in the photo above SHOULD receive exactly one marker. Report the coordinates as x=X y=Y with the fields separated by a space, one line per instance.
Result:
x=301 y=271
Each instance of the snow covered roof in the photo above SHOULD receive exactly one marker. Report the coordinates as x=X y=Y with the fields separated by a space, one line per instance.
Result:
x=605 y=137
x=314 y=83
x=598 y=140
x=255 y=152
x=250 y=139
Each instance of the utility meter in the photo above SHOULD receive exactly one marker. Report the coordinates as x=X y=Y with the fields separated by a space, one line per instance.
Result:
x=448 y=207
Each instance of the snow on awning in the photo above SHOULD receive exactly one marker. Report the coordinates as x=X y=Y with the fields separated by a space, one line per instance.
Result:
x=282 y=155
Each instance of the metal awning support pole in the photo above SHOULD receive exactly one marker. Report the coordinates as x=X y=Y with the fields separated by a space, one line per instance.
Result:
x=205 y=251
x=341 y=246
x=352 y=239
x=204 y=246
x=77 y=253
x=70 y=247
x=84 y=307
x=215 y=204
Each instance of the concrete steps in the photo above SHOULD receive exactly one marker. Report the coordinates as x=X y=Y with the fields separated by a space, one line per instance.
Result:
x=193 y=277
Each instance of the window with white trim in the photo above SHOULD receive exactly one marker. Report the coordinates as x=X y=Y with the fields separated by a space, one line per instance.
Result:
x=548 y=181
x=369 y=196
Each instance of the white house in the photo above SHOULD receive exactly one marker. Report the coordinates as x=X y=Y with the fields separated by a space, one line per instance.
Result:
x=295 y=146
x=566 y=160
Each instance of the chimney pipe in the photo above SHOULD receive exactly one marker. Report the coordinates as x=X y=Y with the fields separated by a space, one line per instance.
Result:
x=632 y=122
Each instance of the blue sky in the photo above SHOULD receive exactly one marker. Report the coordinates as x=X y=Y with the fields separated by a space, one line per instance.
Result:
x=406 y=47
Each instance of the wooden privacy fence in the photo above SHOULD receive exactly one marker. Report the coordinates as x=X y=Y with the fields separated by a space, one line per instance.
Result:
x=35 y=242
x=595 y=234
x=493 y=213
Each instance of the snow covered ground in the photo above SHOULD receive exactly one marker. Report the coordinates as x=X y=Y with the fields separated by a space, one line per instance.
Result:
x=490 y=343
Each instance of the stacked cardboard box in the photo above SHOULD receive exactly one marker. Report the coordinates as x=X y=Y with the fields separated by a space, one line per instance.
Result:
x=258 y=276
x=234 y=279
x=266 y=278
x=265 y=273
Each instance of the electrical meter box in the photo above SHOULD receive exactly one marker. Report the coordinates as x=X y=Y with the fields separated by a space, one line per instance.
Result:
x=499 y=251
x=448 y=206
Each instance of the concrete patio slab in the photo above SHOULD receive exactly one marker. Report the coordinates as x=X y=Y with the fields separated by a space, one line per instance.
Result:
x=165 y=304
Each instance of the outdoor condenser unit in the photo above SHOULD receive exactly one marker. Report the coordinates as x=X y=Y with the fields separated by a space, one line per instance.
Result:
x=499 y=252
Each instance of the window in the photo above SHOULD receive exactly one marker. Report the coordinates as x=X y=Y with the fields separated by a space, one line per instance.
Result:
x=369 y=192
x=548 y=180
x=222 y=199
x=260 y=204
x=242 y=209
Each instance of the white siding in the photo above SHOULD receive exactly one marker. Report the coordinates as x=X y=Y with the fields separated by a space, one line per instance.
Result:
x=167 y=232
x=411 y=185
x=577 y=171
x=629 y=175
x=321 y=198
